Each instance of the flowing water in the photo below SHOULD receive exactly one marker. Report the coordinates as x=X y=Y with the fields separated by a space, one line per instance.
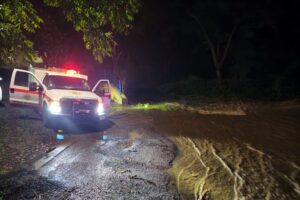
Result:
x=252 y=156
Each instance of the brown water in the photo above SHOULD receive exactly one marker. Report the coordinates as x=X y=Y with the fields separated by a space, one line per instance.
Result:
x=256 y=156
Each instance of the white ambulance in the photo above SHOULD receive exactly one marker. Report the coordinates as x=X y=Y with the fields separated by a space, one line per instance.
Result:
x=59 y=95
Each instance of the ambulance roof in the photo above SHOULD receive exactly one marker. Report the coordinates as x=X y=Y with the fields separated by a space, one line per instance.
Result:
x=75 y=75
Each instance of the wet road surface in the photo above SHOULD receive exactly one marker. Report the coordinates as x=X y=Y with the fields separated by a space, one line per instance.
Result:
x=131 y=164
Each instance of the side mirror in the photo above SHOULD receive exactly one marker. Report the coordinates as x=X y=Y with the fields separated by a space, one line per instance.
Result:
x=33 y=86
x=40 y=88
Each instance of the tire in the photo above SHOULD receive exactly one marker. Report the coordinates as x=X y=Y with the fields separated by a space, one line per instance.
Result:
x=45 y=116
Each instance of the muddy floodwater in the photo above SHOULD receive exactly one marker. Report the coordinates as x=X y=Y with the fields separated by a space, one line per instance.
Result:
x=227 y=156
x=160 y=151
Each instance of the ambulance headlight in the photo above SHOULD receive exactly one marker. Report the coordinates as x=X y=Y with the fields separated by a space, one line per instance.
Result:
x=100 y=109
x=54 y=107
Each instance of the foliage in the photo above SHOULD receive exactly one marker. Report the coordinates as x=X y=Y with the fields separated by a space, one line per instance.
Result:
x=56 y=40
x=98 y=21
x=166 y=106
x=199 y=89
x=16 y=19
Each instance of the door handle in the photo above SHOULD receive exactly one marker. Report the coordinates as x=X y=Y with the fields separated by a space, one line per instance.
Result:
x=12 y=90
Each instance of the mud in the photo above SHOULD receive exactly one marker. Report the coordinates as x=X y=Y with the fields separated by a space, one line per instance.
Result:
x=252 y=156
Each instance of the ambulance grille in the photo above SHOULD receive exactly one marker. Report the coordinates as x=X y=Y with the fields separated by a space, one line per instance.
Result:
x=79 y=107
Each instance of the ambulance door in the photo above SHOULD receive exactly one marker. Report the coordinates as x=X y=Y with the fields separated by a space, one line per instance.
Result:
x=25 y=89
x=102 y=89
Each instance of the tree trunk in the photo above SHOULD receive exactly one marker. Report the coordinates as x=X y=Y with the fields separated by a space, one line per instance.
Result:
x=217 y=56
x=219 y=76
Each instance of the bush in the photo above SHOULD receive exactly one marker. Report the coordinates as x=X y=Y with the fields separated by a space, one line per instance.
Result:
x=231 y=89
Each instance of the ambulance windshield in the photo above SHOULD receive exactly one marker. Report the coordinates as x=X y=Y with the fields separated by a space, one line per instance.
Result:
x=66 y=83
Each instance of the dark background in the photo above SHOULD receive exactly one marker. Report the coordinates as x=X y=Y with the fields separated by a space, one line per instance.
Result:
x=166 y=51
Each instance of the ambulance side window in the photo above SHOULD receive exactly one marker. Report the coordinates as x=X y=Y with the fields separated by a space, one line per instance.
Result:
x=21 y=79
x=103 y=88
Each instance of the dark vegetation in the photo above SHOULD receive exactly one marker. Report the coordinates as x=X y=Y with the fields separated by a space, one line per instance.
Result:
x=174 y=49
x=247 y=90
x=196 y=48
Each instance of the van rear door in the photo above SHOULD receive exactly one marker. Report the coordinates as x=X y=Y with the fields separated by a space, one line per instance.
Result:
x=102 y=89
x=19 y=91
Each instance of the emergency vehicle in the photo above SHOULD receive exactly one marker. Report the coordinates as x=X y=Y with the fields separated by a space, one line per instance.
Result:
x=59 y=94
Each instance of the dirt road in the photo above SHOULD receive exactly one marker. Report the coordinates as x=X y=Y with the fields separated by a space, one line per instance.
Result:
x=131 y=164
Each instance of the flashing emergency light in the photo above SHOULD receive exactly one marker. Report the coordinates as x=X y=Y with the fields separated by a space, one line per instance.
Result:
x=71 y=71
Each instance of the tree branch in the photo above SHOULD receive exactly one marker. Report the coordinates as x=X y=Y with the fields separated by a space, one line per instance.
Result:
x=227 y=45
x=210 y=43
x=218 y=49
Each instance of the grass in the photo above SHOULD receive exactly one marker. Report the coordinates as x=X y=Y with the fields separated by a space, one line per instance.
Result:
x=158 y=106
x=3 y=171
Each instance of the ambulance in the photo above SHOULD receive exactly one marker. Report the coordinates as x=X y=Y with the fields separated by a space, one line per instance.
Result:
x=59 y=95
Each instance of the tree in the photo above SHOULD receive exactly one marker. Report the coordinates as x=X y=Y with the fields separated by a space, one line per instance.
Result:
x=56 y=41
x=217 y=30
x=218 y=50
x=17 y=18
x=99 y=21
x=226 y=27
